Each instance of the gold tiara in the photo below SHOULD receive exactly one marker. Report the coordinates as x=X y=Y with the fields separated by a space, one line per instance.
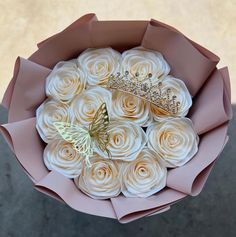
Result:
x=144 y=88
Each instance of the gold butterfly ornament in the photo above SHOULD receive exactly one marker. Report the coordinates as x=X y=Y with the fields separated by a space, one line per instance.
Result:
x=86 y=140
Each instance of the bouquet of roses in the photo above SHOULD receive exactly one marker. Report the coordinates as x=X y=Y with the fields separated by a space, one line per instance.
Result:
x=118 y=119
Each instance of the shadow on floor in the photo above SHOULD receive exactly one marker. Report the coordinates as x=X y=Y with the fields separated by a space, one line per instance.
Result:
x=26 y=212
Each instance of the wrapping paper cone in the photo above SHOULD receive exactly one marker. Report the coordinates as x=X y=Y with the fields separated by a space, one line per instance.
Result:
x=211 y=111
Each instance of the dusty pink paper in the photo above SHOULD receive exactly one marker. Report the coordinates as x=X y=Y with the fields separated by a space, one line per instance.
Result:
x=68 y=192
x=29 y=79
x=214 y=58
x=186 y=62
x=27 y=146
x=212 y=105
x=81 y=21
x=129 y=209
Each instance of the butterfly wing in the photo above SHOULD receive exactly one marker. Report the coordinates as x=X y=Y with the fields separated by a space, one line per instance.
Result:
x=98 y=128
x=79 y=137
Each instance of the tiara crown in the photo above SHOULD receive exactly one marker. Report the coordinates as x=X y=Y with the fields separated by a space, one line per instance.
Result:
x=144 y=88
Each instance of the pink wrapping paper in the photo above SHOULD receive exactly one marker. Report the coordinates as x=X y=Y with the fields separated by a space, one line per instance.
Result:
x=218 y=106
x=31 y=76
x=129 y=209
x=185 y=61
x=210 y=113
x=68 y=192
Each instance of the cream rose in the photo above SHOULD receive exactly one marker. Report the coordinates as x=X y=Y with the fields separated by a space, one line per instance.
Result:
x=65 y=81
x=128 y=107
x=101 y=180
x=60 y=155
x=144 y=176
x=144 y=61
x=99 y=64
x=178 y=89
x=49 y=112
x=85 y=105
x=126 y=140
x=174 y=140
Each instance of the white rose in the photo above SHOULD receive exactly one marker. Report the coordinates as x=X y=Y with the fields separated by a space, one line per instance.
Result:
x=178 y=89
x=99 y=64
x=47 y=113
x=101 y=180
x=65 y=81
x=174 y=140
x=144 y=61
x=144 y=176
x=85 y=105
x=126 y=140
x=128 y=107
x=60 y=155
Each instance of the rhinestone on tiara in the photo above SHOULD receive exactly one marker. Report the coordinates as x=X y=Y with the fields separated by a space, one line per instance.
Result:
x=144 y=88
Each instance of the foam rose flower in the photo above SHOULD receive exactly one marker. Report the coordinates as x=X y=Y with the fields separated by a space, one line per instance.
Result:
x=49 y=112
x=65 y=81
x=60 y=155
x=177 y=88
x=85 y=105
x=128 y=107
x=174 y=140
x=144 y=176
x=144 y=61
x=126 y=140
x=101 y=180
x=99 y=64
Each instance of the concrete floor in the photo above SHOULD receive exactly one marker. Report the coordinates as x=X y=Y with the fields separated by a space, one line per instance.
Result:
x=26 y=212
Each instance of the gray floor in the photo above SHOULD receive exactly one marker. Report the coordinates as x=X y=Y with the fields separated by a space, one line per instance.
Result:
x=26 y=212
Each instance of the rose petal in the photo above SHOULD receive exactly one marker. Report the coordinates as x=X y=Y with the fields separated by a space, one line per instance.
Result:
x=174 y=140
x=126 y=140
x=47 y=113
x=101 y=180
x=98 y=64
x=90 y=99
x=127 y=107
x=144 y=61
x=211 y=144
x=61 y=156
x=144 y=176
